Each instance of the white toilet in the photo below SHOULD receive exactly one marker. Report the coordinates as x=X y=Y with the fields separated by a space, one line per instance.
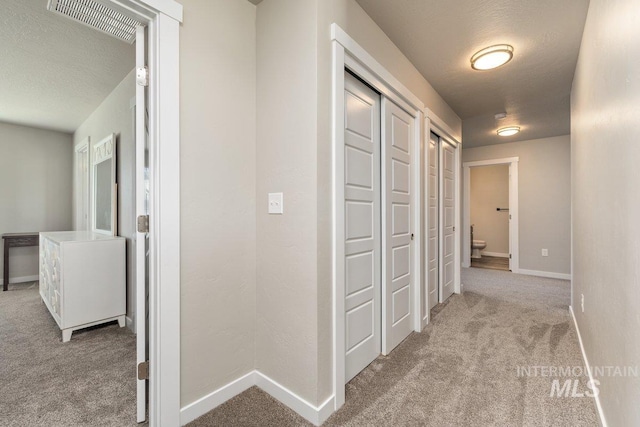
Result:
x=476 y=247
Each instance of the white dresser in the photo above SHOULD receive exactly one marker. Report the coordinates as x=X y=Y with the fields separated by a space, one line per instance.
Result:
x=82 y=279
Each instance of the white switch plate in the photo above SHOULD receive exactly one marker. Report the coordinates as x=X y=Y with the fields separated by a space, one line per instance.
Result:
x=545 y=252
x=276 y=203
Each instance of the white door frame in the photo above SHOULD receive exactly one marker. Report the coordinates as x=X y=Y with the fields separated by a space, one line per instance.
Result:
x=435 y=124
x=347 y=53
x=82 y=147
x=163 y=18
x=514 y=262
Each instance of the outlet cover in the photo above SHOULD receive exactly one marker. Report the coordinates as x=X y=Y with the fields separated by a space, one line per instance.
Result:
x=276 y=203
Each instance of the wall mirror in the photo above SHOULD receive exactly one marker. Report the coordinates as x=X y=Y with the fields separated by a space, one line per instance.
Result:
x=104 y=186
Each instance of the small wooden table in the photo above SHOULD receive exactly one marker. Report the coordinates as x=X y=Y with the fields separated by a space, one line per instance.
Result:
x=16 y=240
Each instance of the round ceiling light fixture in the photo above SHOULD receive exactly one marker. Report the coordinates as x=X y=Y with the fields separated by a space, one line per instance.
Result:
x=508 y=131
x=492 y=57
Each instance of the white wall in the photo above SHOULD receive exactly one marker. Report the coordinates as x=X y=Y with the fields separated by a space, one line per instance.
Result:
x=35 y=188
x=544 y=195
x=605 y=107
x=218 y=190
x=115 y=115
x=490 y=190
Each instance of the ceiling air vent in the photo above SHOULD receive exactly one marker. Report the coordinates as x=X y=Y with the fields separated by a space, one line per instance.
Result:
x=98 y=16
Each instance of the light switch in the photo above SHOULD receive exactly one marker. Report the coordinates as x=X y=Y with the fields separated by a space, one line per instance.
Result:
x=276 y=203
x=545 y=252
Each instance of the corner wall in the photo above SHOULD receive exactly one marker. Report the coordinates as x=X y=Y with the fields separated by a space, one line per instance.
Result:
x=35 y=189
x=218 y=190
x=605 y=106
x=544 y=197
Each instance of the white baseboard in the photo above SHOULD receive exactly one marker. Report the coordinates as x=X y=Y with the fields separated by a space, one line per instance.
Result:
x=212 y=400
x=22 y=279
x=496 y=254
x=603 y=421
x=314 y=414
x=548 y=274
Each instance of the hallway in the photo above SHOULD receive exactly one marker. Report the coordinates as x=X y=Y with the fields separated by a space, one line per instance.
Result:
x=462 y=369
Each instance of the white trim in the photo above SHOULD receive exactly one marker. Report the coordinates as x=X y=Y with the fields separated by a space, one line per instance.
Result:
x=435 y=124
x=603 y=420
x=314 y=414
x=21 y=279
x=443 y=129
x=83 y=146
x=347 y=53
x=495 y=254
x=514 y=228
x=548 y=274
x=214 y=399
x=163 y=19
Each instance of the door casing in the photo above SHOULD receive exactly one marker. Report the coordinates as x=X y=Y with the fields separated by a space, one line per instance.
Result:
x=347 y=54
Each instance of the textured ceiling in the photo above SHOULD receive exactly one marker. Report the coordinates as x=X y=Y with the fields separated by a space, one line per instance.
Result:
x=439 y=37
x=54 y=71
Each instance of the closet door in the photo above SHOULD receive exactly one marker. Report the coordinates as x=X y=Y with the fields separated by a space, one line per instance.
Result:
x=362 y=222
x=433 y=248
x=398 y=135
x=447 y=266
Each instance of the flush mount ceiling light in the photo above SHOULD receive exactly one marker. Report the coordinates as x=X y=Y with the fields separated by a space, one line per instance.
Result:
x=492 y=57
x=508 y=131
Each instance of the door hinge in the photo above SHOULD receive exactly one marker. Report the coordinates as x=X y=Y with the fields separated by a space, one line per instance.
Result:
x=509 y=256
x=411 y=236
x=143 y=370
x=454 y=229
x=143 y=224
x=142 y=76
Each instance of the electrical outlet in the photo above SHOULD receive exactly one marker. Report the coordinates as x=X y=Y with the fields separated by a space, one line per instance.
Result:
x=582 y=302
x=276 y=203
x=545 y=252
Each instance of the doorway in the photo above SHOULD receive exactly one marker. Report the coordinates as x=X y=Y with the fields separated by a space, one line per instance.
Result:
x=378 y=136
x=442 y=201
x=491 y=214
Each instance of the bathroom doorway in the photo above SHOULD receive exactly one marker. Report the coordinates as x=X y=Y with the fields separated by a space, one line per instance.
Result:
x=490 y=227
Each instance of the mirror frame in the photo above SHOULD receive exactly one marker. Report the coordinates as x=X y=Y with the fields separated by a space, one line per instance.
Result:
x=101 y=152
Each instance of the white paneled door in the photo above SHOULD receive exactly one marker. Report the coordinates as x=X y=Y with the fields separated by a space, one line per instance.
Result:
x=447 y=212
x=398 y=136
x=362 y=226
x=433 y=248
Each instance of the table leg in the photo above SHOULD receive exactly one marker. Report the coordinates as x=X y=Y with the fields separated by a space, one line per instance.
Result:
x=5 y=278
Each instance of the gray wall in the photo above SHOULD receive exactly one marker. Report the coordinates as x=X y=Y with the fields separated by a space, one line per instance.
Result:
x=256 y=118
x=35 y=188
x=544 y=194
x=606 y=204
x=490 y=190
x=218 y=191
x=115 y=115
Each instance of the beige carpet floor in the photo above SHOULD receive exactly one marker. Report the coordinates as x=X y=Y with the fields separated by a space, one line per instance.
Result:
x=461 y=370
x=89 y=381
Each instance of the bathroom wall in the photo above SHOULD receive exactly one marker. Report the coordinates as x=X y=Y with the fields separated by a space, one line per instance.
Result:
x=490 y=190
x=544 y=199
